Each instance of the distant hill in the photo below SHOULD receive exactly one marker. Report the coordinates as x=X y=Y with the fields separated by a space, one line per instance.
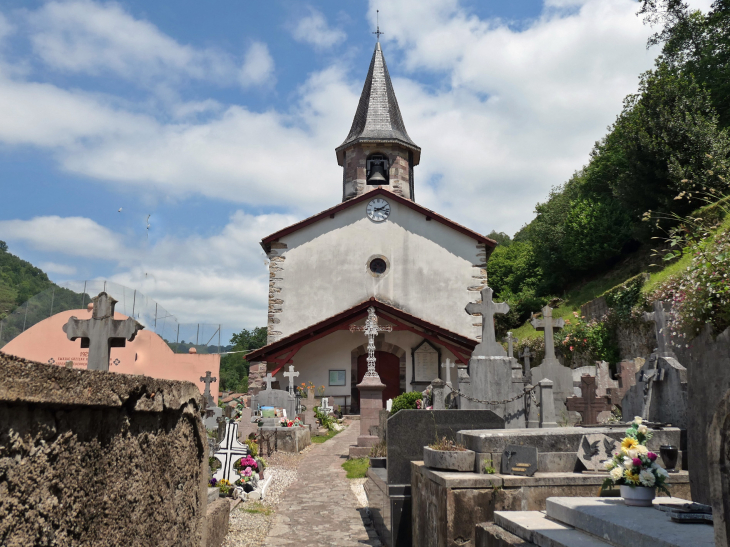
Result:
x=19 y=281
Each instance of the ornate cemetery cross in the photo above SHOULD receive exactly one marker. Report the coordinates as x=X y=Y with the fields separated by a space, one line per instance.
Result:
x=510 y=341
x=589 y=406
x=230 y=450
x=660 y=328
x=448 y=365
x=371 y=330
x=548 y=324
x=102 y=332
x=208 y=379
x=487 y=308
x=291 y=375
x=269 y=379
x=526 y=354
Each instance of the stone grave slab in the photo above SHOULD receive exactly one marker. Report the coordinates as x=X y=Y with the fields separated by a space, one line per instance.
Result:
x=519 y=460
x=595 y=449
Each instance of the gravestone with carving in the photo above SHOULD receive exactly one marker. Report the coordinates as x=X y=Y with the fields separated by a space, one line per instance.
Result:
x=102 y=332
x=493 y=376
x=588 y=405
x=596 y=448
x=551 y=369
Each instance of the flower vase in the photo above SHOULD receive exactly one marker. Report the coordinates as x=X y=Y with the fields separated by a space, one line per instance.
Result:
x=637 y=496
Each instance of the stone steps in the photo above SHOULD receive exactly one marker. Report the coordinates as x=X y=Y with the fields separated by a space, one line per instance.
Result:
x=603 y=522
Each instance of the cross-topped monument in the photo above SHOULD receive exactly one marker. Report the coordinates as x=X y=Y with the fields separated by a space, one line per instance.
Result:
x=511 y=340
x=447 y=366
x=660 y=328
x=207 y=380
x=102 y=332
x=371 y=330
x=269 y=379
x=589 y=405
x=547 y=324
x=526 y=355
x=291 y=375
x=487 y=308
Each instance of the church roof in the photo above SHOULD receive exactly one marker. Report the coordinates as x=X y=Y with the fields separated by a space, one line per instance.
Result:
x=280 y=352
x=378 y=118
x=380 y=191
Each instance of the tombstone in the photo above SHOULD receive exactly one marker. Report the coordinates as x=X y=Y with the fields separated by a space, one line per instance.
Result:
x=325 y=407
x=277 y=398
x=230 y=450
x=291 y=375
x=211 y=417
x=245 y=425
x=596 y=448
x=718 y=456
x=102 y=332
x=659 y=317
x=547 y=408
x=526 y=355
x=438 y=395
x=511 y=340
x=588 y=406
x=493 y=376
x=551 y=369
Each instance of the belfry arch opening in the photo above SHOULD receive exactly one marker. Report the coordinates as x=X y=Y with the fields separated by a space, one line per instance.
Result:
x=377 y=168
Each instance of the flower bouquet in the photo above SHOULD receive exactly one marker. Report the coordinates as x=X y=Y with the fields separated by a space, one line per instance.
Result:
x=291 y=423
x=247 y=468
x=634 y=469
x=225 y=487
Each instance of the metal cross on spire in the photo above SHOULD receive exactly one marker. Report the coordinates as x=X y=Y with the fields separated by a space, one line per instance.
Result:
x=377 y=20
x=371 y=330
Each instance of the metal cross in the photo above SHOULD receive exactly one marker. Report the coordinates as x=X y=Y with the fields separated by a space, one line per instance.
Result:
x=660 y=328
x=510 y=341
x=291 y=375
x=102 y=332
x=487 y=308
x=548 y=324
x=448 y=365
x=207 y=380
x=371 y=330
x=268 y=379
x=377 y=19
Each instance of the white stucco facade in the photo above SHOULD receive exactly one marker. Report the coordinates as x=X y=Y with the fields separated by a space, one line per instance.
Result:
x=322 y=269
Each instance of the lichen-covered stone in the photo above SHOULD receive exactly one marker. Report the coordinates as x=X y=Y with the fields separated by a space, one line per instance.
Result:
x=448 y=460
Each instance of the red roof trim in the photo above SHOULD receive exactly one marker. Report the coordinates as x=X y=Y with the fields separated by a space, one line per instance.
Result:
x=369 y=195
x=281 y=345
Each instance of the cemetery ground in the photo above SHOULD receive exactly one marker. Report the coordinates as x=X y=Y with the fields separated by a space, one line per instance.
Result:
x=310 y=501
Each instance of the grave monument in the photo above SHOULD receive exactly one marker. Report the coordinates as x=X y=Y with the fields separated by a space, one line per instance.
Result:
x=589 y=405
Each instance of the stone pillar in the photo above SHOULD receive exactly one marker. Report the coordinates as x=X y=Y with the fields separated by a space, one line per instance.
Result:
x=547 y=404
x=464 y=387
x=718 y=455
x=371 y=403
x=437 y=391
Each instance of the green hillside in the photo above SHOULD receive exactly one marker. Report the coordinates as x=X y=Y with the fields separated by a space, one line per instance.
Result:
x=19 y=281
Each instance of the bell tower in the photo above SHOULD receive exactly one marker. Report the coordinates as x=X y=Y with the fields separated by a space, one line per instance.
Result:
x=378 y=150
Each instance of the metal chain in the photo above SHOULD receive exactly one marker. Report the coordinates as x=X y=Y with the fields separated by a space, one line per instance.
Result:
x=528 y=391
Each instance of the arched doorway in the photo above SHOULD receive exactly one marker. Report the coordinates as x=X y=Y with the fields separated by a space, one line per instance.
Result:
x=387 y=365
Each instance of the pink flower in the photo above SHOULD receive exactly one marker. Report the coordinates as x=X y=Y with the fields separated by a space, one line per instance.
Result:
x=651 y=456
x=636 y=462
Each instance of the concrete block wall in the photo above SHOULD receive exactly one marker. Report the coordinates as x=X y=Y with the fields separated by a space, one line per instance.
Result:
x=98 y=458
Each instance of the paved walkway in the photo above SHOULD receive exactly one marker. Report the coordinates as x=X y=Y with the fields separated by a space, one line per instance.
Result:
x=320 y=508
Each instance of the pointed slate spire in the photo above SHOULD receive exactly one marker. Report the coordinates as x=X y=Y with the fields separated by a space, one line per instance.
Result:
x=378 y=118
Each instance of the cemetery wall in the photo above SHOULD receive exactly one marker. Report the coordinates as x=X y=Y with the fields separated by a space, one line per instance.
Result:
x=432 y=268
x=97 y=458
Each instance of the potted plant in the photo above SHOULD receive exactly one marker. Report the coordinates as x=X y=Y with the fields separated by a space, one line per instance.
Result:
x=448 y=456
x=378 y=454
x=225 y=488
x=634 y=469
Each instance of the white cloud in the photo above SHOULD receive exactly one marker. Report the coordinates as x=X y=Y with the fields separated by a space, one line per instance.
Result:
x=62 y=269
x=258 y=66
x=314 y=30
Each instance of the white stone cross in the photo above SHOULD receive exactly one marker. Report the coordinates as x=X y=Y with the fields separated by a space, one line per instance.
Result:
x=510 y=344
x=660 y=328
x=268 y=379
x=230 y=450
x=487 y=308
x=291 y=375
x=448 y=365
x=547 y=324
x=371 y=330
x=102 y=332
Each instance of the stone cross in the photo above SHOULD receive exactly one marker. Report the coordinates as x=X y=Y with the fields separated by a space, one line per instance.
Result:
x=656 y=374
x=207 y=380
x=589 y=406
x=526 y=354
x=371 y=330
x=447 y=366
x=487 y=308
x=547 y=324
x=510 y=341
x=660 y=328
x=269 y=379
x=230 y=450
x=102 y=332
x=291 y=375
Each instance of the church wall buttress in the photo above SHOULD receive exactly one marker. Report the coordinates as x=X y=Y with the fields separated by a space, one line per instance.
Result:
x=276 y=303
x=479 y=282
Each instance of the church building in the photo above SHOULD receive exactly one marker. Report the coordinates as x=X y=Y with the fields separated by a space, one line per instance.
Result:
x=377 y=248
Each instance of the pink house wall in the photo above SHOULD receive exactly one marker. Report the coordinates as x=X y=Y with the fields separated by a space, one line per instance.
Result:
x=147 y=354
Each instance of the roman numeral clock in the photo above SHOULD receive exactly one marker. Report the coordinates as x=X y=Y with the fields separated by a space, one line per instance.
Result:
x=378 y=210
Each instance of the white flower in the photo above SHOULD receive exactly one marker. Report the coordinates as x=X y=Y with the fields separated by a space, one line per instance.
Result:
x=616 y=473
x=654 y=465
x=632 y=453
x=661 y=471
x=608 y=464
x=642 y=429
x=646 y=477
x=638 y=420
x=642 y=450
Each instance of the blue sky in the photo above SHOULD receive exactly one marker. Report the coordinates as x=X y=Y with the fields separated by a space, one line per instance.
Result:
x=220 y=121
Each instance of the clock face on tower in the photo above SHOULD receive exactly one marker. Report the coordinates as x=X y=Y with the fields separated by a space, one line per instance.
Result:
x=378 y=209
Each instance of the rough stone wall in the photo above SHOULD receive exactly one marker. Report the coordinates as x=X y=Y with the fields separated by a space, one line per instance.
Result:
x=97 y=458
x=276 y=303
x=256 y=375
x=355 y=170
x=480 y=281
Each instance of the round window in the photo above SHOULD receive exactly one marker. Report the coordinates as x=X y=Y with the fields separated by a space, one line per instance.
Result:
x=378 y=266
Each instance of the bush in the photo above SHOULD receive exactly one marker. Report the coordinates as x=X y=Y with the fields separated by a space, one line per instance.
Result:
x=379 y=450
x=406 y=401
x=253 y=448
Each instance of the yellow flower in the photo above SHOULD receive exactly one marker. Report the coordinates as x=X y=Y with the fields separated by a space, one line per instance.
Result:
x=628 y=443
x=631 y=477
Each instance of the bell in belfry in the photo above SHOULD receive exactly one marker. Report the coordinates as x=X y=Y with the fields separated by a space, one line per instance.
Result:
x=377 y=174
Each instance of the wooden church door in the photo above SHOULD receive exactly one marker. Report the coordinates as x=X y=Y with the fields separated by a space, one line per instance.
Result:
x=387 y=366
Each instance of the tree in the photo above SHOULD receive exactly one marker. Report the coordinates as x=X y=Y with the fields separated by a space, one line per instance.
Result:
x=234 y=368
